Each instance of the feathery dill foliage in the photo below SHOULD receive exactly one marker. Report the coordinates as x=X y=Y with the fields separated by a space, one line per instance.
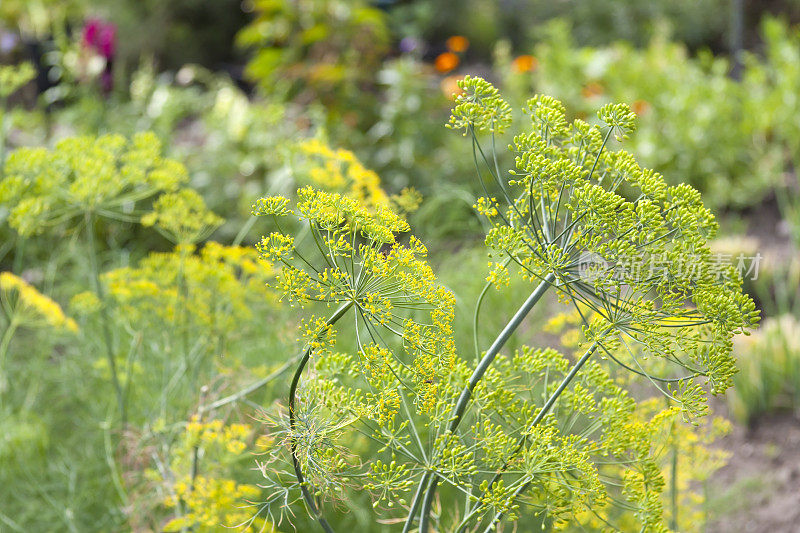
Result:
x=534 y=434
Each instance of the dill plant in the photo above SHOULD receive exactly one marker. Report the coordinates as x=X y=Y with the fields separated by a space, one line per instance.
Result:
x=82 y=179
x=380 y=401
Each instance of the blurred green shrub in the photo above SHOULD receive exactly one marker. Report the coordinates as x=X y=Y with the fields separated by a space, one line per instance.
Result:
x=175 y=32
x=732 y=141
x=769 y=376
x=39 y=19
x=697 y=23
x=322 y=50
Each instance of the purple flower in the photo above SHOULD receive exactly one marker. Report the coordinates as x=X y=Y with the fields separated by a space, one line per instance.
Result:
x=409 y=44
x=90 y=31
x=8 y=41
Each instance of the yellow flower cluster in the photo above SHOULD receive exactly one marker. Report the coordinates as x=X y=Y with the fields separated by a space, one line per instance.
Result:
x=340 y=171
x=32 y=307
x=383 y=279
x=182 y=217
x=212 y=501
x=215 y=433
x=214 y=505
x=686 y=452
x=105 y=175
x=12 y=77
x=215 y=288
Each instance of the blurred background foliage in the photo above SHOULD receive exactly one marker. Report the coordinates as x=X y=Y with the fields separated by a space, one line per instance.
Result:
x=234 y=88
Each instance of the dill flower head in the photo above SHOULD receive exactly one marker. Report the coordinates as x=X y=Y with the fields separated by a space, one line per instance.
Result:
x=30 y=307
x=610 y=236
x=182 y=217
x=211 y=498
x=106 y=175
x=217 y=287
x=353 y=258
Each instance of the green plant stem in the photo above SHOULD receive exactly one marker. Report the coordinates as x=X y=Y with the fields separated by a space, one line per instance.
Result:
x=4 y=344
x=244 y=231
x=19 y=254
x=477 y=312
x=183 y=300
x=539 y=417
x=104 y=318
x=3 y=134
x=463 y=400
x=674 y=478
x=250 y=388
x=309 y=499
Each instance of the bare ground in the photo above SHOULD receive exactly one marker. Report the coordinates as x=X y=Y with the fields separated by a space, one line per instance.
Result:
x=759 y=490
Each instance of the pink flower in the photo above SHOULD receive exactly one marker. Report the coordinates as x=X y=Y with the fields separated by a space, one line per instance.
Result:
x=101 y=37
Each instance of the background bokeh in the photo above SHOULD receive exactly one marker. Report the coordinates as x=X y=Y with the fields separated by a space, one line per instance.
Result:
x=238 y=92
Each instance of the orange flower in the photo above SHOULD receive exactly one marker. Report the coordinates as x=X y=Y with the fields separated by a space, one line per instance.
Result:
x=640 y=107
x=524 y=63
x=592 y=90
x=450 y=87
x=446 y=62
x=457 y=43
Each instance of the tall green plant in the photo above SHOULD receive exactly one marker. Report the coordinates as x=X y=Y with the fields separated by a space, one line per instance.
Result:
x=380 y=400
x=80 y=181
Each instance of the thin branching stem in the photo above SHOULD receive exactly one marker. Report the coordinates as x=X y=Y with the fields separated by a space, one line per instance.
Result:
x=539 y=417
x=307 y=496
x=463 y=401
x=105 y=320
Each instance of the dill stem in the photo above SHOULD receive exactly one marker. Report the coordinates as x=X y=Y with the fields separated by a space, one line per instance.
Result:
x=104 y=318
x=309 y=499
x=463 y=400
x=4 y=344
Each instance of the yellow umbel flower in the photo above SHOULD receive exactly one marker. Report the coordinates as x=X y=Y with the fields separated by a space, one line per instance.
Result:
x=214 y=505
x=213 y=501
x=211 y=290
x=340 y=171
x=31 y=307
x=182 y=217
x=105 y=175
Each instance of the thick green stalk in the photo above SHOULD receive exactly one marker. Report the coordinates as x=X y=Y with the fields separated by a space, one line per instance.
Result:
x=104 y=318
x=466 y=394
x=309 y=499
